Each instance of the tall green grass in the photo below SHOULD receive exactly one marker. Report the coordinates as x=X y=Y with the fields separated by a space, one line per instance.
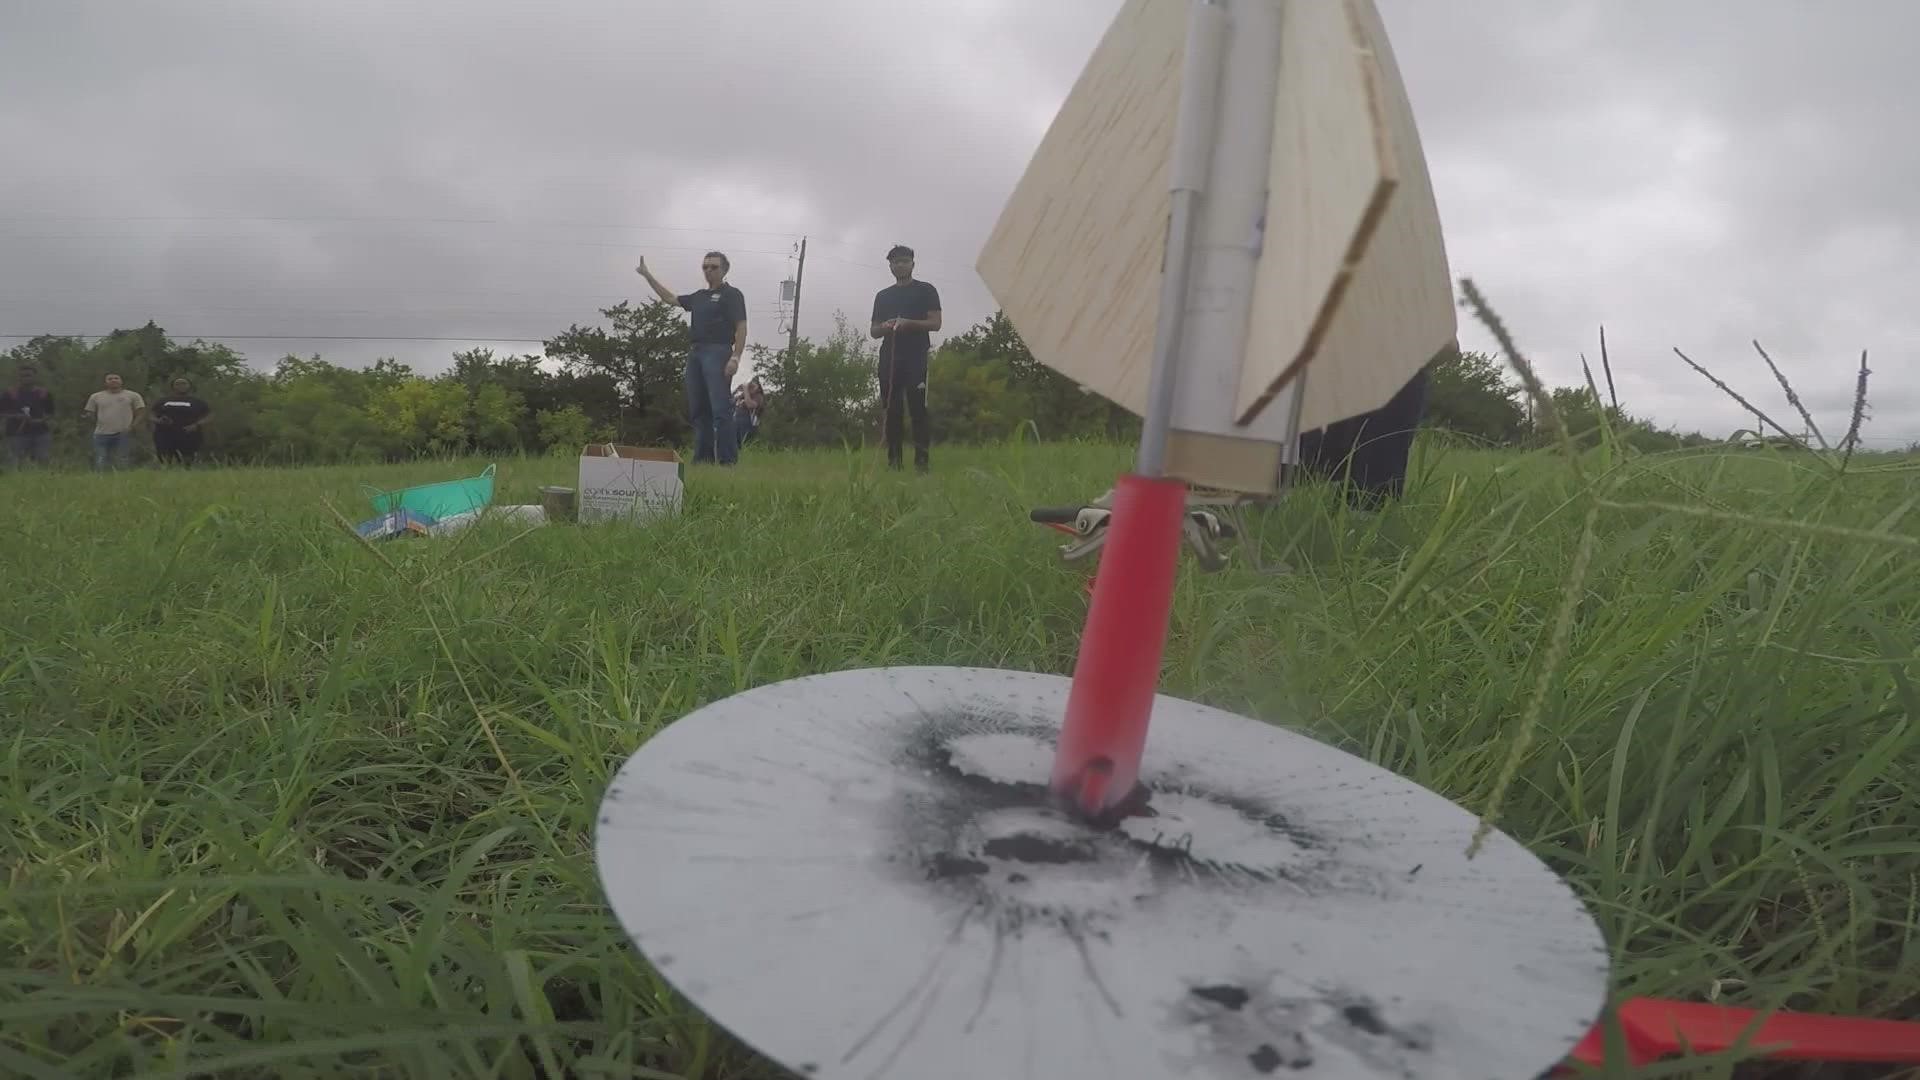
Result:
x=280 y=803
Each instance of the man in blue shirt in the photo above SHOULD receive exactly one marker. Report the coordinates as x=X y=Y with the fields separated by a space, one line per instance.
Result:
x=719 y=336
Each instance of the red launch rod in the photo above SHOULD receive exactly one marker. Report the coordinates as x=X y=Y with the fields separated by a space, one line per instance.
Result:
x=1097 y=764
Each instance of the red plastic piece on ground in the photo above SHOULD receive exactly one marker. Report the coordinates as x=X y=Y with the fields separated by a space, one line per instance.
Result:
x=1655 y=1028
x=1118 y=670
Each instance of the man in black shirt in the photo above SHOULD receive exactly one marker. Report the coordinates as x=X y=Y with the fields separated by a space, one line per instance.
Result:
x=905 y=316
x=25 y=409
x=177 y=417
x=719 y=336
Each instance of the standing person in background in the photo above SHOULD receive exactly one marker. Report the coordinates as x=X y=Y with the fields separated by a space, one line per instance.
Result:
x=1368 y=454
x=25 y=411
x=116 y=413
x=906 y=314
x=176 y=424
x=719 y=336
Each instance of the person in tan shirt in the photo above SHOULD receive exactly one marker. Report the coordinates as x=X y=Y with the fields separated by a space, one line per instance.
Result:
x=116 y=413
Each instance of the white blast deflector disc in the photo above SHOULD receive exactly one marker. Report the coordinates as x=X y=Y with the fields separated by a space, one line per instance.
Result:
x=860 y=875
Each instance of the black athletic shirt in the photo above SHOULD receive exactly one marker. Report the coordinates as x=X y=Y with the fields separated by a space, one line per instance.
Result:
x=912 y=300
x=715 y=313
x=172 y=414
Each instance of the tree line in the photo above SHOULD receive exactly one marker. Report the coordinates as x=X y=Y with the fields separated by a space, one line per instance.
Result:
x=621 y=381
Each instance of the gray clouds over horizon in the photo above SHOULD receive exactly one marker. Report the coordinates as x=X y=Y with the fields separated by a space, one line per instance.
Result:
x=1693 y=174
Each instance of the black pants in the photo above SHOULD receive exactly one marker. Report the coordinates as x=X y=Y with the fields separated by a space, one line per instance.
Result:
x=1369 y=452
x=176 y=447
x=905 y=388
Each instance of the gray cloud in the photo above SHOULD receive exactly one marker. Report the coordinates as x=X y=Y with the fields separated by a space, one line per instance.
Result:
x=1693 y=174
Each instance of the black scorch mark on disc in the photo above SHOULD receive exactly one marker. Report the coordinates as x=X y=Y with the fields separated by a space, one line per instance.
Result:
x=1233 y=997
x=979 y=827
x=1264 y=1058
x=1249 y=1030
x=1028 y=848
x=1364 y=1018
x=987 y=762
x=982 y=827
x=943 y=866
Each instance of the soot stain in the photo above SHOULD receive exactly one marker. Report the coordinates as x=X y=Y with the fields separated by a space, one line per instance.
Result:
x=1028 y=848
x=942 y=833
x=944 y=865
x=1245 y=1022
x=1364 y=1018
x=1233 y=997
x=983 y=832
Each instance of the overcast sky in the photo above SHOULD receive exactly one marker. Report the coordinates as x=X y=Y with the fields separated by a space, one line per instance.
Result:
x=1692 y=173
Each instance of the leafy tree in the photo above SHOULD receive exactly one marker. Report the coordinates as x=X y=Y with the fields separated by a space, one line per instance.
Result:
x=564 y=428
x=315 y=415
x=422 y=416
x=1580 y=409
x=977 y=399
x=1058 y=406
x=643 y=357
x=494 y=417
x=623 y=381
x=1468 y=393
x=821 y=395
x=53 y=354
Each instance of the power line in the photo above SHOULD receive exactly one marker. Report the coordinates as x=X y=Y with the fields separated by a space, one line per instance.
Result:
x=763 y=309
x=405 y=219
x=178 y=256
x=392 y=238
x=392 y=219
x=177 y=336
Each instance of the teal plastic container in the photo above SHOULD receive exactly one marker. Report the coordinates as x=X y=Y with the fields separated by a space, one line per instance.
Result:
x=441 y=500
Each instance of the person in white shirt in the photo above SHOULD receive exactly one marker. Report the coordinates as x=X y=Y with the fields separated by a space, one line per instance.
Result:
x=116 y=413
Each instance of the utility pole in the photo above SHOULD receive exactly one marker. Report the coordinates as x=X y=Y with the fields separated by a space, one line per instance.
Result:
x=799 y=274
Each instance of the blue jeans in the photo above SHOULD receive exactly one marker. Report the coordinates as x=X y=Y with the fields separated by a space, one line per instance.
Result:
x=119 y=445
x=35 y=446
x=710 y=404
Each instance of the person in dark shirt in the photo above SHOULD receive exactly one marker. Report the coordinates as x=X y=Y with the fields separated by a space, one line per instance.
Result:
x=1368 y=454
x=906 y=314
x=25 y=411
x=719 y=336
x=177 y=417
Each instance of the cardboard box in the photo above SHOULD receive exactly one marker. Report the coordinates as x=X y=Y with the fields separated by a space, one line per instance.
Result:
x=629 y=483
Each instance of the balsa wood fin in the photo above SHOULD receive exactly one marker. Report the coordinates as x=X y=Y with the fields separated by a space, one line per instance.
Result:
x=1352 y=290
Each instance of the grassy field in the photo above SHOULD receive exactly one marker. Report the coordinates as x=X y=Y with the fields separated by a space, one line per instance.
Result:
x=276 y=803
